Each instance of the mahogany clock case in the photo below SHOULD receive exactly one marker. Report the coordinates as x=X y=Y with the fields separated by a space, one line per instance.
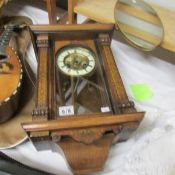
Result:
x=48 y=41
x=88 y=94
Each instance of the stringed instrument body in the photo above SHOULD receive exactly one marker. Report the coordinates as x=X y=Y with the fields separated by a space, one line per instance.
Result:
x=10 y=76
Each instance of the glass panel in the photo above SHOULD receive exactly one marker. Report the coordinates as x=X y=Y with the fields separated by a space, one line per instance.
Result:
x=80 y=83
x=139 y=23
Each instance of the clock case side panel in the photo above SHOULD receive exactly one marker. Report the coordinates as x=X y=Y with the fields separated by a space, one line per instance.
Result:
x=102 y=34
x=118 y=95
x=44 y=102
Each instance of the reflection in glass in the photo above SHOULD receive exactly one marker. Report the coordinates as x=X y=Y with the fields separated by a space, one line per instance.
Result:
x=80 y=81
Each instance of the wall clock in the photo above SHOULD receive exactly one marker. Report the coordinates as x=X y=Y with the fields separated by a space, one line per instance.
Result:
x=81 y=103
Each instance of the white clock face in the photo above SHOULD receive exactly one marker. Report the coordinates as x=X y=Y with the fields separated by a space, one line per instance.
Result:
x=76 y=61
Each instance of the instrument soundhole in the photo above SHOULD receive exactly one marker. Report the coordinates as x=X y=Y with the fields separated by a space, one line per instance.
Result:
x=3 y=57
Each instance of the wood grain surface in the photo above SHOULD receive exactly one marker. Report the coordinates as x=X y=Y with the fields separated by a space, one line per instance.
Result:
x=105 y=14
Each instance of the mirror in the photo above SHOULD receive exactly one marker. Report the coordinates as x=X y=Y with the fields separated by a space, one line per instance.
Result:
x=139 y=23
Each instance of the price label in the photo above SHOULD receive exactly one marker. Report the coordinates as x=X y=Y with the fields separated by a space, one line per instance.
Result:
x=66 y=110
x=105 y=109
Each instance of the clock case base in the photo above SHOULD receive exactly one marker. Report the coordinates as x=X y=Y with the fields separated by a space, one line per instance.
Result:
x=85 y=139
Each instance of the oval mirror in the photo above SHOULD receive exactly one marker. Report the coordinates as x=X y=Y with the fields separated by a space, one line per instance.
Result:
x=139 y=23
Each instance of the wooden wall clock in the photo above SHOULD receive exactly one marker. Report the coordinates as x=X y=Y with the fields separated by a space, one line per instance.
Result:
x=81 y=103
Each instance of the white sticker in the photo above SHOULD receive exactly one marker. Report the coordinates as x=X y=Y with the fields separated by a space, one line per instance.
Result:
x=66 y=110
x=105 y=109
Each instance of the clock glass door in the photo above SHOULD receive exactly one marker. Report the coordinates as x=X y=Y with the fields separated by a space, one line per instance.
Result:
x=80 y=82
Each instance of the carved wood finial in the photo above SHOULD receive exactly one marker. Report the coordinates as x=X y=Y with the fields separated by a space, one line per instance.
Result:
x=42 y=41
x=40 y=112
x=104 y=39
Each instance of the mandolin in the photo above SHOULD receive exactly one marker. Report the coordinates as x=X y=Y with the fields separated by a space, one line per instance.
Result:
x=10 y=75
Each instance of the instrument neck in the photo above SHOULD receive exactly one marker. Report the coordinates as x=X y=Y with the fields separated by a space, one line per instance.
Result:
x=5 y=36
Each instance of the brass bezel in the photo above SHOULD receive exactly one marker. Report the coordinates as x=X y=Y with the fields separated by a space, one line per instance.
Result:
x=80 y=46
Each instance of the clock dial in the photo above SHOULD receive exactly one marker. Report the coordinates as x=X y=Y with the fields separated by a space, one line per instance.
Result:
x=76 y=61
